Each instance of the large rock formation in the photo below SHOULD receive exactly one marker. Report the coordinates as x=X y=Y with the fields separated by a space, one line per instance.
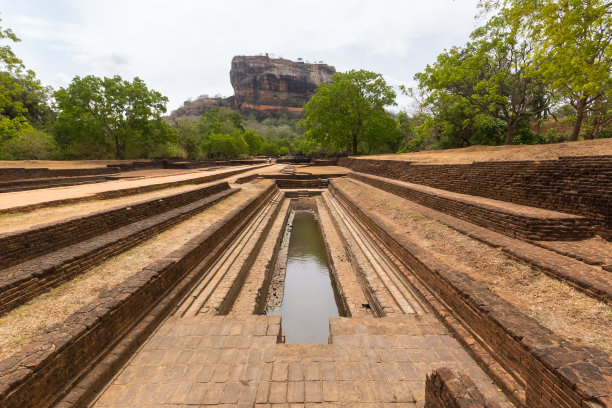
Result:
x=264 y=85
x=274 y=85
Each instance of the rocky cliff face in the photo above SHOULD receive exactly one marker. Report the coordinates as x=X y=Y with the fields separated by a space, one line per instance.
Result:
x=200 y=106
x=274 y=85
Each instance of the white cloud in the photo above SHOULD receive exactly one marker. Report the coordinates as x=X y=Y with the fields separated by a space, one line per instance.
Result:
x=184 y=48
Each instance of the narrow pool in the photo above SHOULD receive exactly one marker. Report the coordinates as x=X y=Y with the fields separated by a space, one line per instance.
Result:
x=309 y=298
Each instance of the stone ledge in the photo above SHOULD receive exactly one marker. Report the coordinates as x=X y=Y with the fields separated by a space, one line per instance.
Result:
x=127 y=191
x=576 y=185
x=20 y=173
x=246 y=179
x=35 y=184
x=589 y=279
x=20 y=283
x=446 y=388
x=35 y=375
x=20 y=246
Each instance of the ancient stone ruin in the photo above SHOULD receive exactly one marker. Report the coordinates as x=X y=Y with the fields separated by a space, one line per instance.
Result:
x=184 y=284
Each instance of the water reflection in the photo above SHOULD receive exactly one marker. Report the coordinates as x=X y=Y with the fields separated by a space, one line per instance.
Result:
x=308 y=300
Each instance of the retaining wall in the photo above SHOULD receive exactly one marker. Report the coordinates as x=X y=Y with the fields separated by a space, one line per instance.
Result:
x=246 y=179
x=287 y=183
x=577 y=185
x=21 y=246
x=105 y=195
x=553 y=371
x=20 y=283
x=509 y=221
x=35 y=376
x=34 y=184
x=10 y=174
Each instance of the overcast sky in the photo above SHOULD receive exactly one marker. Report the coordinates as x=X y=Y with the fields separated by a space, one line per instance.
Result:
x=183 y=48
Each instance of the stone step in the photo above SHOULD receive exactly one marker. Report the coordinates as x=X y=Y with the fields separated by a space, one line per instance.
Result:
x=25 y=281
x=35 y=184
x=515 y=220
x=20 y=246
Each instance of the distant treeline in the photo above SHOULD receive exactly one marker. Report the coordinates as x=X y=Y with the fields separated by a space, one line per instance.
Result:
x=534 y=72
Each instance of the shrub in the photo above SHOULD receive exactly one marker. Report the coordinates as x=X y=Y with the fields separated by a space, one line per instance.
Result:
x=31 y=144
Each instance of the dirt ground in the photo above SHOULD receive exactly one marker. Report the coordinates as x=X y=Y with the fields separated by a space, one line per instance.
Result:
x=23 y=324
x=504 y=153
x=322 y=170
x=553 y=303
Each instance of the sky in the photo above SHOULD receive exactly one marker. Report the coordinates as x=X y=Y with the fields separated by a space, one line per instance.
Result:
x=184 y=48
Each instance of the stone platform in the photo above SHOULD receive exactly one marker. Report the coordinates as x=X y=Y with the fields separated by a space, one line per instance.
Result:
x=237 y=361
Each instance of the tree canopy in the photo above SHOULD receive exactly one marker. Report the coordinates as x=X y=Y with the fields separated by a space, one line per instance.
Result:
x=349 y=114
x=112 y=112
x=487 y=73
x=23 y=99
x=572 y=48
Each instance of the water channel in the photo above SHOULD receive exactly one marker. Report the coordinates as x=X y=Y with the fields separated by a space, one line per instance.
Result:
x=309 y=299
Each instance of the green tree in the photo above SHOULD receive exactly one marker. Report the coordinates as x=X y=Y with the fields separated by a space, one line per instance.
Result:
x=254 y=141
x=351 y=110
x=23 y=100
x=270 y=149
x=220 y=120
x=488 y=73
x=189 y=137
x=572 y=47
x=225 y=145
x=111 y=111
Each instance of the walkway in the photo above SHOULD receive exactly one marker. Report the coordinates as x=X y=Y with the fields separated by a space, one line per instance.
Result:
x=238 y=361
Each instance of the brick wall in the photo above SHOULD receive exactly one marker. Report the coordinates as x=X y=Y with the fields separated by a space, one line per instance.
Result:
x=246 y=179
x=35 y=375
x=127 y=191
x=9 y=174
x=285 y=183
x=20 y=283
x=154 y=187
x=21 y=246
x=446 y=388
x=553 y=371
x=576 y=185
x=33 y=184
x=505 y=221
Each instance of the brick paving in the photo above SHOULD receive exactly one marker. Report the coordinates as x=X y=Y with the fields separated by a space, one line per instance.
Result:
x=237 y=361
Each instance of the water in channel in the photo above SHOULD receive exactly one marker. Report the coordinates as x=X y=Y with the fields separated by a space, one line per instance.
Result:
x=309 y=299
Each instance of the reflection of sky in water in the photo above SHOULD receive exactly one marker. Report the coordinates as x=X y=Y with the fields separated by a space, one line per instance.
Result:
x=308 y=300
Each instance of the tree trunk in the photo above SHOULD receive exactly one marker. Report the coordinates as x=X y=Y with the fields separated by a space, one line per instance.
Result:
x=118 y=150
x=510 y=129
x=580 y=111
x=354 y=145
